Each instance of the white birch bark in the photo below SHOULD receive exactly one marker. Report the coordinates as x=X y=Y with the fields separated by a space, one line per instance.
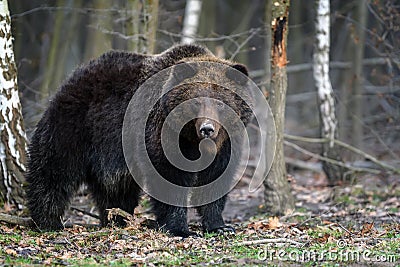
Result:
x=12 y=133
x=191 y=21
x=323 y=84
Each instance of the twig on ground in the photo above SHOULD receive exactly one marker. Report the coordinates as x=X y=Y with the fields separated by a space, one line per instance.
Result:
x=283 y=218
x=319 y=216
x=86 y=213
x=345 y=229
x=268 y=240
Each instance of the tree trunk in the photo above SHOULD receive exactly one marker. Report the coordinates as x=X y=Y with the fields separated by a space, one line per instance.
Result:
x=69 y=38
x=144 y=26
x=151 y=12
x=357 y=131
x=12 y=133
x=50 y=69
x=170 y=15
x=278 y=199
x=97 y=42
x=324 y=87
x=191 y=21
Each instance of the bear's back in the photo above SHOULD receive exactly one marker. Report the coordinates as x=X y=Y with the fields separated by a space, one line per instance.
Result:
x=93 y=99
x=117 y=73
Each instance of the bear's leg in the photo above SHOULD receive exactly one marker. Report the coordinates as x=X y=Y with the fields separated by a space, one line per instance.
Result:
x=124 y=196
x=172 y=219
x=211 y=217
x=48 y=198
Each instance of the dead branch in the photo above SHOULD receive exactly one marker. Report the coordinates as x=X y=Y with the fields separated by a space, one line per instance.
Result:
x=347 y=146
x=332 y=161
x=118 y=212
x=332 y=65
x=16 y=220
x=312 y=166
x=134 y=37
x=212 y=39
x=84 y=11
x=240 y=46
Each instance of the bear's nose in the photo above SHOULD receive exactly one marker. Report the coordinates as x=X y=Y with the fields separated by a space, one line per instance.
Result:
x=207 y=130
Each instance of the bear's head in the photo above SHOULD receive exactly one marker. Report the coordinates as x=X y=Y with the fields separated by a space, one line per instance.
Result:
x=210 y=97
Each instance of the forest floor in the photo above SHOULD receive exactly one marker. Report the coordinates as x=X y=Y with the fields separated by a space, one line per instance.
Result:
x=356 y=223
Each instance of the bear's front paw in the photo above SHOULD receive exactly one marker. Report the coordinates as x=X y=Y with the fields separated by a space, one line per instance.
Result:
x=225 y=229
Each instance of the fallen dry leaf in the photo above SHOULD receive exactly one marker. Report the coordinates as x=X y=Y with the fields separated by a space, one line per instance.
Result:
x=11 y=252
x=366 y=228
x=273 y=223
x=323 y=239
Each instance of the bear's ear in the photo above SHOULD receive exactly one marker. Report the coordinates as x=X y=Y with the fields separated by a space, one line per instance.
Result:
x=182 y=71
x=179 y=72
x=231 y=73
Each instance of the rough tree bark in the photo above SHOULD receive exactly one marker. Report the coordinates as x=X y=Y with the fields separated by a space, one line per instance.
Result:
x=277 y=195
x=12 y=133
x=191 y=21
x=323 y=84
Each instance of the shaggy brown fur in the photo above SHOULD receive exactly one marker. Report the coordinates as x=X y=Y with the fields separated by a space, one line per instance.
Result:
x=79 y=140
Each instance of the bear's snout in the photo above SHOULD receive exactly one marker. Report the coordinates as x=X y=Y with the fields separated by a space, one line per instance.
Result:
x=207 y=129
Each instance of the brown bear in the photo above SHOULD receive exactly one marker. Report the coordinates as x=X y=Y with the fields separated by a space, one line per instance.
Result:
x=79 y=138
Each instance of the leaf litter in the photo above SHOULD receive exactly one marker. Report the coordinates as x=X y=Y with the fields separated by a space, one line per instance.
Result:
x=363 y=216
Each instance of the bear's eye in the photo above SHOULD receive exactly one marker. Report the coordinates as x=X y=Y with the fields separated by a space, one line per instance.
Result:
x=220 y=105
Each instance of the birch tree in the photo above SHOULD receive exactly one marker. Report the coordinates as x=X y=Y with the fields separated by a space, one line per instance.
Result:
x=12 y=133
x=324 y=87
x=191 y=21
x=277 y=195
